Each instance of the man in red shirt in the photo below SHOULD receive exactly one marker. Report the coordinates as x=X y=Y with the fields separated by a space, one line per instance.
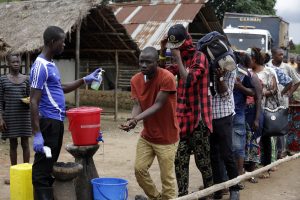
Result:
x=154 y=93
x=194 y=111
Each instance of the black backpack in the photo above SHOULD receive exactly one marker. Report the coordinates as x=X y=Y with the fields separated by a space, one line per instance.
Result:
x=216 y=48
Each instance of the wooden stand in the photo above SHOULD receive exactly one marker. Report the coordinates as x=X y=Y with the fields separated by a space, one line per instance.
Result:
x=64 y=174
x=84 y=155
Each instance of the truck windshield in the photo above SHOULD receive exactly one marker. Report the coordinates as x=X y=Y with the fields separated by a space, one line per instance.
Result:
x=244 y=41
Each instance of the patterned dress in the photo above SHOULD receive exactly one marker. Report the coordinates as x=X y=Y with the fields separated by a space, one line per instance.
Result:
x=16 y=114
x=266 y=77
x=293 y=137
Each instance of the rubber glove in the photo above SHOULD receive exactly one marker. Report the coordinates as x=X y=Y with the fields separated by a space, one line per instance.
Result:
x=100 y=137
x=92 y=77
x=38 y=143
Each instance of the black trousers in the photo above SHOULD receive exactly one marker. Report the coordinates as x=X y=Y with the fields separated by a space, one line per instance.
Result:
x=267 y=149
x=221 y=150
x=52 y=131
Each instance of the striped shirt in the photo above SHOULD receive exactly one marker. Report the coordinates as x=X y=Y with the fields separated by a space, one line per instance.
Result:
x=15 y=113
x=223 y=104
x=45 y=76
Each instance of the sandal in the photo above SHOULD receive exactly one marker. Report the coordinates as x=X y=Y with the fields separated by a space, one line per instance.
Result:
x=265 y=175
x=241 y=186
x=253 y=180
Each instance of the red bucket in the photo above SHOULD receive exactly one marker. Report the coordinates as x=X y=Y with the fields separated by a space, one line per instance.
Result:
x=84 y=125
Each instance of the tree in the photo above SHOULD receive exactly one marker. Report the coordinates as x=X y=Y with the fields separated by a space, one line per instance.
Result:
x=297 y=49
x=262 y=7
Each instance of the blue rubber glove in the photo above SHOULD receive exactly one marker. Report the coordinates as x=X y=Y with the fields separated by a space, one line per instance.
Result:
x=92 y=77
x=100 y=137
x=38 y=143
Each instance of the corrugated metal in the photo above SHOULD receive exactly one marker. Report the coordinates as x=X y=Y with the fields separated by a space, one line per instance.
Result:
x=148 y=23
x=153 y=13
x=124 y=13
x=130 y=28
x=152 y=33
x=187 y=12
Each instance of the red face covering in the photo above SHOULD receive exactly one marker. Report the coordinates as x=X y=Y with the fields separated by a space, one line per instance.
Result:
x=187 y=49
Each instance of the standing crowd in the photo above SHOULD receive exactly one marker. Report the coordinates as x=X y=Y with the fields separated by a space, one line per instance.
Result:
x=218 y=118
x=186 y=108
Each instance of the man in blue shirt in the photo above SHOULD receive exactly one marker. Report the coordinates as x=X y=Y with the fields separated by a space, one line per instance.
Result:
x=47 y=105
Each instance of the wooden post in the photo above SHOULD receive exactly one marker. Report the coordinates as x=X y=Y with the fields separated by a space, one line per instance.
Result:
x=27 y=66
x=87 y=72
x=77 y=61
x=116 y=85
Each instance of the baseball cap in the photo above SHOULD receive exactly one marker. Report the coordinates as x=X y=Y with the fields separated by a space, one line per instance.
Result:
x=176 y=36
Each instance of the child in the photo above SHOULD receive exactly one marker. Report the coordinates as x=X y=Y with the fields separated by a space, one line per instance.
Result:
x=14 y=114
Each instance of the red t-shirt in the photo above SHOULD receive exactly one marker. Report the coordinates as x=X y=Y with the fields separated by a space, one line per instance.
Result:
x=161 y=127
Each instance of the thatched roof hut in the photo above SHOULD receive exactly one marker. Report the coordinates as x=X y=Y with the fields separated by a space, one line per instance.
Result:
x=23 y=23
x=4 y=47
x=93 y=34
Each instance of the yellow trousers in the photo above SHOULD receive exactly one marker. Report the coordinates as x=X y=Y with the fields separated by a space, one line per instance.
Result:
x=145 y=154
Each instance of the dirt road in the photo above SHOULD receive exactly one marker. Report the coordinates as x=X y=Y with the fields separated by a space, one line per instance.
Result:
x=116 y=159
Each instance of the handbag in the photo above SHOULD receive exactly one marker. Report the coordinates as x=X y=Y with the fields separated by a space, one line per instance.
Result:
x=275 y=121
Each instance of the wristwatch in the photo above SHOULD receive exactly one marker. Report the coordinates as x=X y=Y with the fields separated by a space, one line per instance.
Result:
x=221 y=78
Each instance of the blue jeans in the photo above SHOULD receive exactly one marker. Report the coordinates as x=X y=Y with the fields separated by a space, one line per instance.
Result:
x=239 y=135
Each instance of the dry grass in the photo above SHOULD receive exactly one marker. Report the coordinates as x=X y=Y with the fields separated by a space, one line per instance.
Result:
x=22 y=23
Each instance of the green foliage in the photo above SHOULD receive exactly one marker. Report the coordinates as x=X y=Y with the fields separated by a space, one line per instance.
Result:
x=297 y=49
x=262 y=7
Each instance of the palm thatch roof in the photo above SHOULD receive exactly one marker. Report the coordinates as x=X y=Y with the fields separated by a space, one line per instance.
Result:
x=4 y=47
x=23 y=23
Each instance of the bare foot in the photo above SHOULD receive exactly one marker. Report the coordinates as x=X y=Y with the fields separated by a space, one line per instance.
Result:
x=273 y=169
x=264 y=175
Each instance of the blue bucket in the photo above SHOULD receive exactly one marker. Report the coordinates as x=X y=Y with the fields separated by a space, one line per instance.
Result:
x=110 y=188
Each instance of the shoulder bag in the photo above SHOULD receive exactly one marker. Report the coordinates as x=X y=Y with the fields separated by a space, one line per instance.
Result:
x=275 y=121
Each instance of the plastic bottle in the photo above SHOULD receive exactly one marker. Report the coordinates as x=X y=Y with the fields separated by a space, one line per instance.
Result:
x=95 y=84
x=47 y=151
x=168 y=56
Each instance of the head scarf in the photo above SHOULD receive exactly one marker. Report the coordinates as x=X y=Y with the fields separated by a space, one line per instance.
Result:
x=187 y=49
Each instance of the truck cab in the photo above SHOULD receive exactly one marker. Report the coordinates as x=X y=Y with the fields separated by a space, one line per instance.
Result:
x=244 y=37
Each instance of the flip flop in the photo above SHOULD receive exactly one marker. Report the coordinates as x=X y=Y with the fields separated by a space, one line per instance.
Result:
x=253 y=180
x=241 y=186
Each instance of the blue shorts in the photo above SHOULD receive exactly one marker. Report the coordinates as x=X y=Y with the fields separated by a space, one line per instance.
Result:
x=239 y=136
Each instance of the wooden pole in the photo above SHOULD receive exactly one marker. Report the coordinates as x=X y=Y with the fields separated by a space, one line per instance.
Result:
x=116 y=85
x=227 y=184
x=77 y=61
x=205 y=22
x=87 y=72
x=27 y=66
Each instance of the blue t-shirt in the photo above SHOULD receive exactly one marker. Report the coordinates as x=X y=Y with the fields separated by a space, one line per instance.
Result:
x=45 y=76
x=282 y=78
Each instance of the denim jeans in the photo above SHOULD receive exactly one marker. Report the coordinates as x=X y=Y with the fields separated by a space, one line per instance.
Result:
x=239 y=135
